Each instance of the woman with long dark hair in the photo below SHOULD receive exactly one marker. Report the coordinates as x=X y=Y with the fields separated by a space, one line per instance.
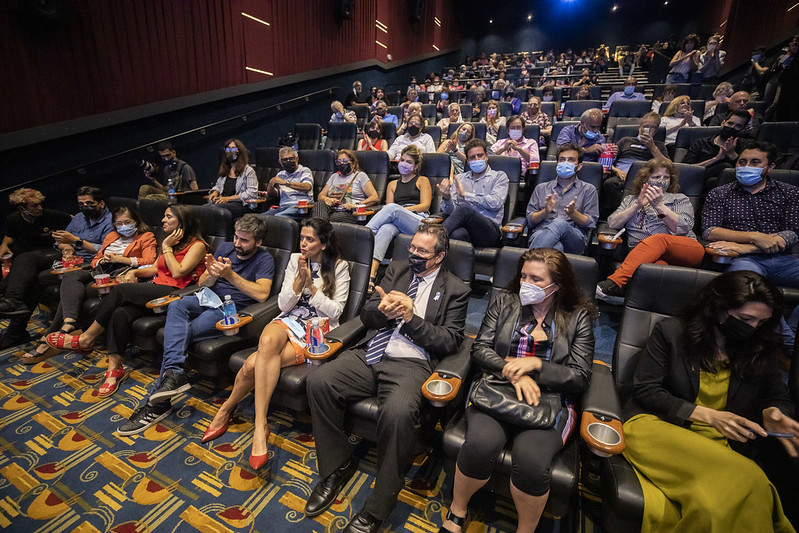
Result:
x=537 y=337
x=316 y=284
x=179 y=264
x=685 y=61
x=237 y=183
x=706 y=385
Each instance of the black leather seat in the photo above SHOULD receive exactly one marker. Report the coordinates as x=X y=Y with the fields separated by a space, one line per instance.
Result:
x=466 y=112
x=436 y=167
x=629 y=110
x=118 y=201
x=687 y=136
x=783 y=135
x=357 y=244
x=308 y=134
x=267 y=164
x=341 y=135
x=429 y=114
x=375 y=164
x=361 y=114
x=152 y=212
x=435 y=133
x=322 y=165
x=557 y=127
x=573 y=109
x=389 y=132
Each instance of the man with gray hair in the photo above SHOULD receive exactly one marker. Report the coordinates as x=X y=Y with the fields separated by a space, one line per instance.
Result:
x=241 y=270
x=586 y=134
x=292 y=184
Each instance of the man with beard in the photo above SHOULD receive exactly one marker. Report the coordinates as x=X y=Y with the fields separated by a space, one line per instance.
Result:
x=241 y=270
x=173 y=170
x=719 y=152
x=82 y=237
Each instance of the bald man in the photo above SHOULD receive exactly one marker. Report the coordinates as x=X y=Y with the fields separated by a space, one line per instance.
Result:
x=586 y=134
x=739 y=101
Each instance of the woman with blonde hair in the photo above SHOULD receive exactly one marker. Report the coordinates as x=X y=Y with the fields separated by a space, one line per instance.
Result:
x=678 y=115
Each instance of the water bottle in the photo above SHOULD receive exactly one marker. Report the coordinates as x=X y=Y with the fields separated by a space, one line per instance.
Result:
x=229 y=311
x=171 y=189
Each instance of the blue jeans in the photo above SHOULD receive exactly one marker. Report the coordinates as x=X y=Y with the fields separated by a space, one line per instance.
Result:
x=467 y=224
x=558 y=234
x=780 y=269
x=676 y=78
x=186 y=322
x=390 y=221
x=289 y=212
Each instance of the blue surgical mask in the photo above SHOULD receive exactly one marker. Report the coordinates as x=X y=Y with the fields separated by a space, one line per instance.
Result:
x=444 y=96
x=127 y=230
x=565 y=169
x=478 y=165
x=629 y=90
x=748 y=176
x=591 y=135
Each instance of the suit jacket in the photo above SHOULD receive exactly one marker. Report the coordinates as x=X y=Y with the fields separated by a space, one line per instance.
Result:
x=440 y=332
x=666 y=382
x=569 y=367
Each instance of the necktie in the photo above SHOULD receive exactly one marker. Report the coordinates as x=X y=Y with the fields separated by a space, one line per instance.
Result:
x=377 y=346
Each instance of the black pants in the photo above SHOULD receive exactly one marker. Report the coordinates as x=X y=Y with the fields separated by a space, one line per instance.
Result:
x=397 y=384
x=119 y=309
x=612 y=195
x=76 y=287
x=533 y=450
x=29 y=272
x=237 y=209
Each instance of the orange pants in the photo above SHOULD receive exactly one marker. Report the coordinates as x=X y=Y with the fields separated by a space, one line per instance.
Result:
x=662 y=249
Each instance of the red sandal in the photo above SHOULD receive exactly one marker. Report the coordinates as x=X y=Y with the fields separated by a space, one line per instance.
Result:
x=62 y=341
x=107 y=389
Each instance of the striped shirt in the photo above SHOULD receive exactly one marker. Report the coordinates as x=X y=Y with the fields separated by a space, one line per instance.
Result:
x=645 y=222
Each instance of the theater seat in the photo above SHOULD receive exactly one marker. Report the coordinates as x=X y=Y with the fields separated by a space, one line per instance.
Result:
x=341 y=135
x=783 y=135
x=573 y=109
x=361 y=114
x=620 y=110
x=429 y=114
x=687 y=136
x=466 y=112
x=267 y=164
x=375 y=164
x=309 y=135
x=436 y=167
x=322 y=165
x=389 y=132
x=118 y=201
x=557 y=127
x=435 y=133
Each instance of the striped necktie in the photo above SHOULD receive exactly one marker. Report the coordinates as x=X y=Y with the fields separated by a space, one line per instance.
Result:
x=377 y=346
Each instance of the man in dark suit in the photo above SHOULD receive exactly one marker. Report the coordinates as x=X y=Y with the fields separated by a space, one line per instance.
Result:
x=415 y=317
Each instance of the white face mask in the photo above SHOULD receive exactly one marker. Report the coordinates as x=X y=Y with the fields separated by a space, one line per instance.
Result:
x=515 y=134
x=530 y=293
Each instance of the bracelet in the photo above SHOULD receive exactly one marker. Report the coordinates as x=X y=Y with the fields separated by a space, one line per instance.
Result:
x=167 y=250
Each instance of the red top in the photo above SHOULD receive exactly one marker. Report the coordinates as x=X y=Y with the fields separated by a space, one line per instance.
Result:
x=164 y=276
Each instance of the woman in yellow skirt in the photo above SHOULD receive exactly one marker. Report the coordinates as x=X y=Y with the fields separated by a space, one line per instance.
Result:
x=706 y=387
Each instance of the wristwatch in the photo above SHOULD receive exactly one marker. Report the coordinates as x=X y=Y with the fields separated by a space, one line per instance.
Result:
x=78 y=244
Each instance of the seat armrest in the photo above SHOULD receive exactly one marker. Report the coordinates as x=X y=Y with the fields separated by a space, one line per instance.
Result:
x=262 y=313
x=601 y=426
x=347 y=333
x=446 y=380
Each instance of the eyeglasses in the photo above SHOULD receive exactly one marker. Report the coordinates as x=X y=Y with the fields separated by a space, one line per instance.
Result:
x=419 y=251
x=231 y=149
x=342 y=161
x=288 y=159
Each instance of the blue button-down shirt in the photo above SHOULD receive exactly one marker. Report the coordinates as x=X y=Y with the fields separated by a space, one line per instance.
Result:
x=587 y=203
x=571 y=134
x=486 y=194
x=90 y=230
x=619 y=96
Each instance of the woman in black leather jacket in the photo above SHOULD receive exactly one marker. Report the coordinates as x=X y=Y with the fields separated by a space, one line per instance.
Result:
x=539 y=337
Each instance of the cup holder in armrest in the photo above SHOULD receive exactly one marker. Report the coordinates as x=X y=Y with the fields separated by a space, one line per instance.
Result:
x=233 y=329
x=331 y=348
x=603 y=435
x=441 y=389
x=721 y=256
x=159 y=305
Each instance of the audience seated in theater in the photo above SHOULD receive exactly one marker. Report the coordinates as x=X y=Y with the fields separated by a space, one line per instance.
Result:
x=719 y=152
x=381 y=112
x=444 y=97
x=534 y=115
x=627 y=95
x=413 y=85
x=130 y=245
x=585 y=79
x=631 y=149
x=414 y=108
x=237 y=183
x=372 y=140
x=456 y=144
x=739 y=101
x=475 y=200
x=493 y=121
x=356 y=96
x=561 y=212
x=453 y=117
x=757 y=217
x=545 y=323
x=172 y=171
x=347 y=188
x=413 y=135
x=81 y=239
x=435 y=86
x=711 y=61
x=707 y=385
x=411 y=96
x=415 y=317
x=685 y=61
x=340 y=114
x=721 y=93
x=669 y=93
x=582 y=93
x=179 y=265
x=28 y=230
x=659 y=222
x=784 y=77
x=240 y=270
x=316 y=284
x=407 y=203
x=377 y=96
x=586 y=135
x=678 y=115
x=479 y=98
x=548 y=93
x=294 y=182
x=516 y=144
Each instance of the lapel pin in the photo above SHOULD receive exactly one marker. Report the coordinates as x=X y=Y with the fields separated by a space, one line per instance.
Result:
x=437 y=296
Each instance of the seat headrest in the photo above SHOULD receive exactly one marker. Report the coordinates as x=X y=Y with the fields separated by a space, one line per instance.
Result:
x=664 y=289
x=356 y=242
x=459 y=259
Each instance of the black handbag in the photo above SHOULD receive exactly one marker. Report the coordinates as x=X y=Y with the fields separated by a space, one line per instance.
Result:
x=497 y=397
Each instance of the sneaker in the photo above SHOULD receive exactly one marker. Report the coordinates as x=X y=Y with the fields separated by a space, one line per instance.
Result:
x=609 y=292
x=144 y=417
x=173 y=383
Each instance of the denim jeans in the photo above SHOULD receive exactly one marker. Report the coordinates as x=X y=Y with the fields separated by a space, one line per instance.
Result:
x=780 y=269
x=558 y=234
x=289 y=212
x=390 y=221
x=186 y=322
x=466 y=224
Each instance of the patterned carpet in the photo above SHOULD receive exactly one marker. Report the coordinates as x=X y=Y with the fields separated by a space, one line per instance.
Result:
x=63 y=468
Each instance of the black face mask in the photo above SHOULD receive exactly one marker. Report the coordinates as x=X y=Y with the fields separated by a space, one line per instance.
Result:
x=417 y=264
x=344 y=168
x=290 y=166
x=727 y=132
x=736 y=330
x=414 y=130
x=232 y=155
x=89 y=211
x=373 y=134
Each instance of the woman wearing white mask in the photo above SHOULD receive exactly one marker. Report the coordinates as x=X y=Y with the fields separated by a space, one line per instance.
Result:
x=536 y=337
x=516 y=144
x=455 y=146
x=493 y=121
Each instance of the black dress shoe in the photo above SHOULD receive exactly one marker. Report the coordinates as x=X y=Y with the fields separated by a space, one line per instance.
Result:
x=363 y=522
x=12 y=307
x=10 y=339
x=326 y=490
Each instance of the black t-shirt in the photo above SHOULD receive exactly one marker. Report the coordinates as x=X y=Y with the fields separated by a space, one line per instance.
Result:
x=229 y=188
x=351 y=99
x=35 y=235
x=632 y=148
x=704 y=149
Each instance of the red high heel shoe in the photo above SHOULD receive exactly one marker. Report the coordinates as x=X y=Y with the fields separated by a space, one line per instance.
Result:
x=258 y=461
x=210 y=434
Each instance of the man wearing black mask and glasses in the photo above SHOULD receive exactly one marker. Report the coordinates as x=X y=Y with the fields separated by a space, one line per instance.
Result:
x=292 y=184
x=415 y=317
x=83 y=237
x=719 y=152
